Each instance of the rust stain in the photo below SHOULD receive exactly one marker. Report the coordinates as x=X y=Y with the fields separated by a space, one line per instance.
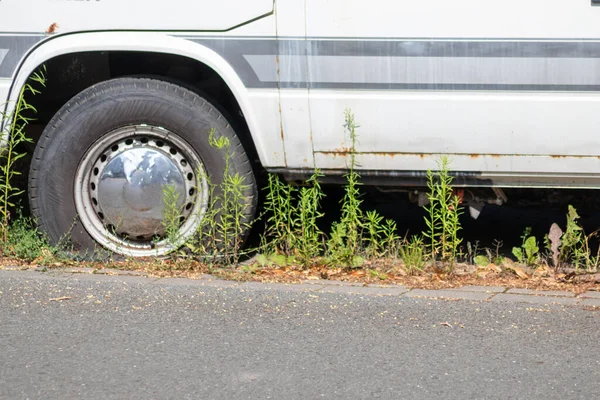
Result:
x=575 y=157
x=389 y=154
x=342 y=150
x=52 y=28
x=346 y=151
x=281 y=131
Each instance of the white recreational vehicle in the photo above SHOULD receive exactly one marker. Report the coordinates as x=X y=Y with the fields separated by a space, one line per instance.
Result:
x=509 y=90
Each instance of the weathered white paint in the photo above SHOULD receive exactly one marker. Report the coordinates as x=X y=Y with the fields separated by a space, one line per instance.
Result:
x=501 y=133
x=520 y=129
x=181 y=15
x=452 y=19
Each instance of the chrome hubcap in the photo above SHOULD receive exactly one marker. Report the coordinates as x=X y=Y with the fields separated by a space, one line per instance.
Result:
x=122 y=184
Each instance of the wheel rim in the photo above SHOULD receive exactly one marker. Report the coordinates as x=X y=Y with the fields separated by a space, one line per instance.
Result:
x=120 y=190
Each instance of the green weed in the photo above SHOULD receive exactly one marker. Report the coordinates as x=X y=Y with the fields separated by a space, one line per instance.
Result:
x=292 y=225
x=378 y=274
x=221 y=227
x=482 y=261
x=281 y=206
x=24 y=242
x=343 y=246
x=11 y=138
x=529 y=251
x=412 y=253
x=309 y=238
x=390 y=239
x=171 y=214
x=573 y=241
x=496 y=257
x=374 y=231
x=573 y=244
x=442 y=217
x=590 y=261
x=206 y=242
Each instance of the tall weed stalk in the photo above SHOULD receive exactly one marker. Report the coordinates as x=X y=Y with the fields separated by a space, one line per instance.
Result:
x=345 y=240
x=442 y=218
x=222 y=224
x=12 y=136
x=282 y=208
x=292 y=225
x=309 y=237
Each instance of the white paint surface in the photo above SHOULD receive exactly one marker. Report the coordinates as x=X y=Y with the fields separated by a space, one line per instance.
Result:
x=190 y=15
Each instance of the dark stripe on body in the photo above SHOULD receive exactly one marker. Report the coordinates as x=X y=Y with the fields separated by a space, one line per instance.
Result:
x=401 y=64
x=17 y=46
x=307 y=59
x=404 y=48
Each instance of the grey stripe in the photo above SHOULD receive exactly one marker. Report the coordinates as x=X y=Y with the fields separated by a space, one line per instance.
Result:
x=465 y=64
x=3 y=53
x=16 y=46
x=407 y=48
x=464 y=48
x=413 y=64
x=440 y=87
x=427 y=70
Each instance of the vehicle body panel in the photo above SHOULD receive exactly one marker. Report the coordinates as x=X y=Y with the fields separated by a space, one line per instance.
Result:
x=508 y=90
x=27 y=51
x=94 y=15
x=505 y=89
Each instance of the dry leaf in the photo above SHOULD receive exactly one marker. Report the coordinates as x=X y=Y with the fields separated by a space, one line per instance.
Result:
x=520 y=273
x=279 y=271
x=438 y=276
x=554 y=237
x=495 y=268
x=446 y=324
x=508 y=263
x=542 y=270
x=491 y=267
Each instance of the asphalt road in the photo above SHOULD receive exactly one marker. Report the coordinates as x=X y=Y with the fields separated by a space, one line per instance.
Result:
x=99 y=337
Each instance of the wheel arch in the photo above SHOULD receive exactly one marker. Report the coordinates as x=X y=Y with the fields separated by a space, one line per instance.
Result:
x=136 y=45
